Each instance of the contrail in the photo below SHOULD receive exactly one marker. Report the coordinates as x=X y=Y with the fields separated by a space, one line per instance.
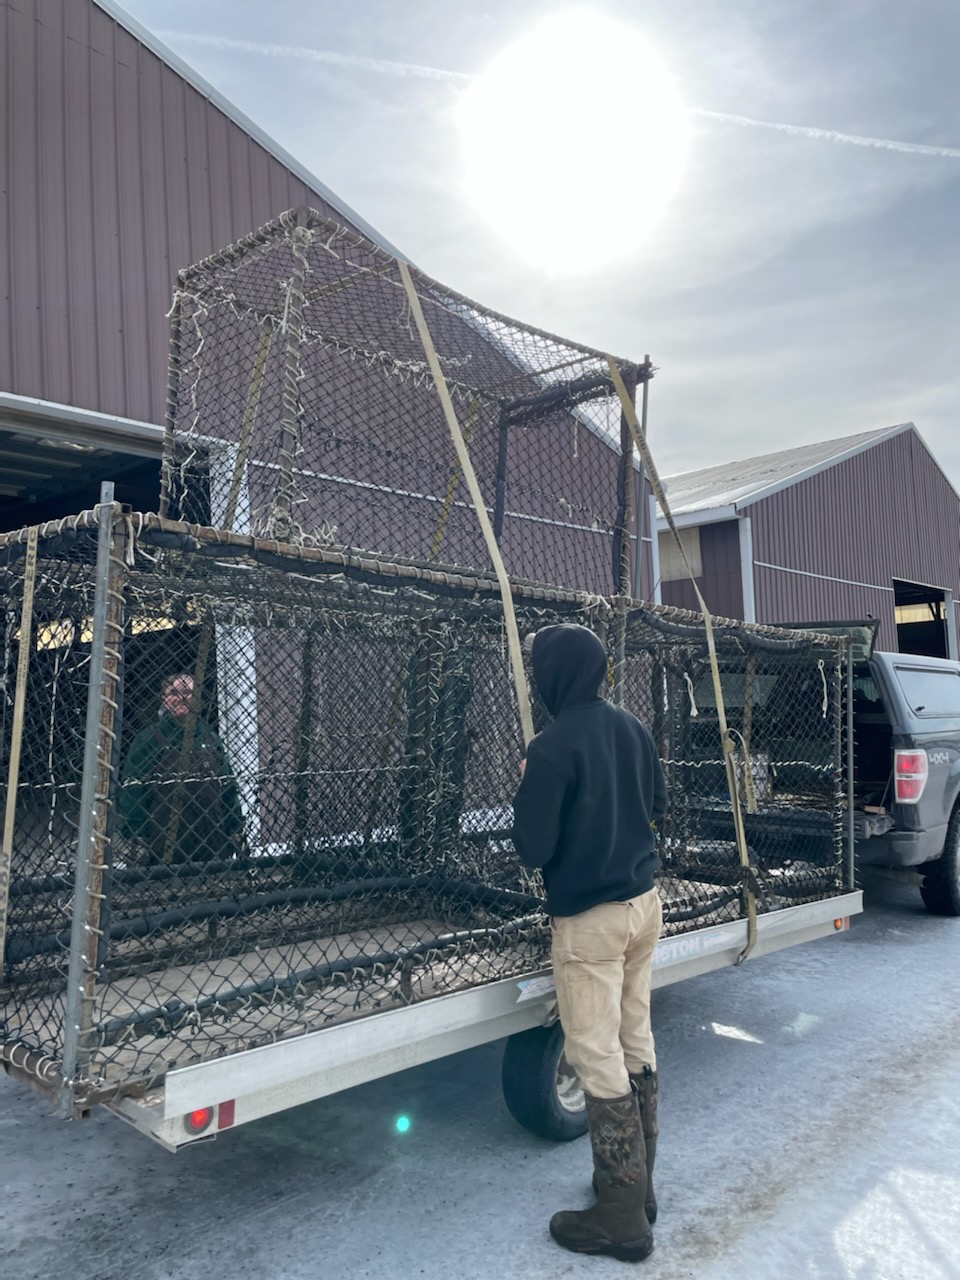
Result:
x=386 y=66
x=831 y=135
x=382 y=65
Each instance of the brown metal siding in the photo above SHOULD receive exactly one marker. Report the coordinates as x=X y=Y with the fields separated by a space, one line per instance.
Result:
x=721 y=582
x=115 y=173
x=887 y=513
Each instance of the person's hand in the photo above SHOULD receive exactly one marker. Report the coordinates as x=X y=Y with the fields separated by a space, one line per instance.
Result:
x=523 y=766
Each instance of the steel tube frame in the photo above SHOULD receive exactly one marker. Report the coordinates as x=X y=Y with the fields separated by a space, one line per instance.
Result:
x=623 y=557
x=281 y=519
x=98 y=758
x=500 y=495
x=16 y=735
x=851 y=826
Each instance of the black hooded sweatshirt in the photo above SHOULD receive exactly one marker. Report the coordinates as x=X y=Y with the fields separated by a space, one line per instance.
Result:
x=592 y=786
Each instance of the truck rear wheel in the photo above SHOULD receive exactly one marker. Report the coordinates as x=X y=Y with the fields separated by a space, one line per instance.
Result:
x=940 y=889
x=540 y=1088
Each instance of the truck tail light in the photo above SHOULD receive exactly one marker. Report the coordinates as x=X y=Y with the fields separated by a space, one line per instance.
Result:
x=910 y=775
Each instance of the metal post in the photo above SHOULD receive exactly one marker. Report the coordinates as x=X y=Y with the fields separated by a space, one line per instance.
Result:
x=619 y=630
x=638 y=587
x=292 y=332
x=169 y=429
x=108 y=611
x=238 y=480
x=622 y=557
x=16 y=734
x=656 y=591
x=851 y=825
x=622 y=575
x=301 y=795
x=500 y=499
x=621 y=535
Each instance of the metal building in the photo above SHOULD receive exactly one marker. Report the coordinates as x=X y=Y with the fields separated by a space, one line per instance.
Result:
x=120 y=165
x=863 y=526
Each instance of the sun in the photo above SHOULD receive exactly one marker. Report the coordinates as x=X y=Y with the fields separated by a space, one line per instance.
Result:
x=574 y=142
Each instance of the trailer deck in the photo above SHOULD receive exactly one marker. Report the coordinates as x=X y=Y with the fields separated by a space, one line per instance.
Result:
x=248 y=1085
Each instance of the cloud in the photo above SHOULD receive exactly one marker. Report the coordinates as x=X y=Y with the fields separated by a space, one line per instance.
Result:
x=385 y=66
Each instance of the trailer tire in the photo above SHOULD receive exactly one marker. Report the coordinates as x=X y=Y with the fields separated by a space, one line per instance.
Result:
x=940 y=888
x=541 y=1091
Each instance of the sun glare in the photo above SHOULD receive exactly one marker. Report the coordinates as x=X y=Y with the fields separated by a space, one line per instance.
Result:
x=574 y=142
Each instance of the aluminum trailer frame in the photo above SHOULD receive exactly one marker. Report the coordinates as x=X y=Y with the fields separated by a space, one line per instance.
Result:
x=271 y=1078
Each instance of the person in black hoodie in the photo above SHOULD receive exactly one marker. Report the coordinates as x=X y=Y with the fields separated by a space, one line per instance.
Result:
x=590 y=791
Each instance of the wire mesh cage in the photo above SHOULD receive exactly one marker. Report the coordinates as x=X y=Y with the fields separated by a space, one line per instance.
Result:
x=260 y=749
x=296 y=808
x=302 y=407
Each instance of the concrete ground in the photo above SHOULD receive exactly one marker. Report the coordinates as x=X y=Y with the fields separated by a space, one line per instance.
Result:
x=810 y=1121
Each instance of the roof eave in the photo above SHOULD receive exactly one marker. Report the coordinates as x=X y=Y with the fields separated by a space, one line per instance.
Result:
x=699 y=516
x=48 y=419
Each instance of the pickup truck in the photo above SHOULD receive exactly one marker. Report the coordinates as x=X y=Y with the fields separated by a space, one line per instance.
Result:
x=906 y=719
x=901 y=799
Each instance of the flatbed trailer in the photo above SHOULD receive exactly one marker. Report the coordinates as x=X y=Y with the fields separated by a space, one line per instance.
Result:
x=260 y=1082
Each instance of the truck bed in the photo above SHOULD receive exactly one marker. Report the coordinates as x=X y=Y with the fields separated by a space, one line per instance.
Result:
x=790 y=819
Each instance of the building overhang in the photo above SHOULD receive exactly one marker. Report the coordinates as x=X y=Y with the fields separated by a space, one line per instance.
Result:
x=48 y=450
x=692 y=519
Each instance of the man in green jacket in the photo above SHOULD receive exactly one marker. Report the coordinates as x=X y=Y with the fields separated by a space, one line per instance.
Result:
x=178 y=794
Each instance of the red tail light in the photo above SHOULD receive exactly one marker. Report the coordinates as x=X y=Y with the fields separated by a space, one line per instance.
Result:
x=199 y=1120
x=910 y=775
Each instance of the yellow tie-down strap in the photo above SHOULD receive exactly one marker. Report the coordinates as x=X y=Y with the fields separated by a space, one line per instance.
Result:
x=728 y=743
x=16 y=736
x=466 y=466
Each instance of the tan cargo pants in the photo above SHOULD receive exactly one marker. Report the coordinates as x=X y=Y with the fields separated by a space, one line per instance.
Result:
x=602 y=963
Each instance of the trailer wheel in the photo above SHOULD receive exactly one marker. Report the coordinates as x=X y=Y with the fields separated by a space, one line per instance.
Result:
x=940 y=888
x=540 y=1088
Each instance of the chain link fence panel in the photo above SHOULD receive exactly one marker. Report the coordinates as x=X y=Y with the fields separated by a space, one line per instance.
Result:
x=309 y=803
x=302 y=407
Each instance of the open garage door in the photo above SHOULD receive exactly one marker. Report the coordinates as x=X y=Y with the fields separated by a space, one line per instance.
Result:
x=54 y=457
x=924 y=619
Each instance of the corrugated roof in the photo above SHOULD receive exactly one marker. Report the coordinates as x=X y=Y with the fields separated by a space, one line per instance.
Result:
x=738 y=484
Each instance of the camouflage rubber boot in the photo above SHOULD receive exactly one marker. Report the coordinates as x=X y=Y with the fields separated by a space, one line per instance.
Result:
x=617 y=1224
x=646 y=1085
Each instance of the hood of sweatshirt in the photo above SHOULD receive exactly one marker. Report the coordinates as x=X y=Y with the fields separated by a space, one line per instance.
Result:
x=569 y=666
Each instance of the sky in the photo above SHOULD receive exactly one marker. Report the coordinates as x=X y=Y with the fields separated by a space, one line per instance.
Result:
x=799 y=287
